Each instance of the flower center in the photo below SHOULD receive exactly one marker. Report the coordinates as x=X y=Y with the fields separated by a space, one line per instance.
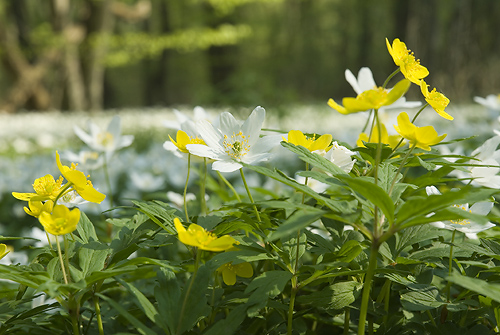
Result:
x=376 y=97
x=237 y=145
x=203 y=237
x=47 y=185
x=106 y=139
x=461 y=221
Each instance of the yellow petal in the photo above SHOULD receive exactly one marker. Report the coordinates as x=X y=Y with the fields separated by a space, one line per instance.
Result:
x=296 y=137
x=220 y=244
x=244 y=270
x=337 y=107
x=228 y=276
x=397 y=91
x=321 y=143
x=353 y=105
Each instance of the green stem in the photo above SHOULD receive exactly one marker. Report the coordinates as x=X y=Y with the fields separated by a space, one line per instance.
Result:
x=419 y=111
x=48 y=239
x=98 y=314
x=61 y=260
x=108 y=181
x=229 y=185
x=347 y=320
x=305 y=183
x=370 y=272
x=289 y=326
x=63 y=192
x=431 y=318
x=378 y=156
x=66 y=254
x=390 y=77
x=76 y=327
x=186 y=186
x=191 y=282
x=249 y=194
x=367 y=121
x=399 y=169
x=450 y=265
x=203 y=201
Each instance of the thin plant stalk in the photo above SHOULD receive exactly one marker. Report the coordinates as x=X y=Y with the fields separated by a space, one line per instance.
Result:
x=370 y=273
x=229 y=185
x=66 y=248
x=250 y=195
x=97 y=308
x=186 y=296
x=450 y=265
x=65 y=277
x=186 y=186
x=108 y=180
x=347 y=320
x=203 y=202
x=399 y=169
x=390 y=77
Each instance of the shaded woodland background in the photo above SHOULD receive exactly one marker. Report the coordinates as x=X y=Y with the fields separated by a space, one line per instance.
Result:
x=99 y=54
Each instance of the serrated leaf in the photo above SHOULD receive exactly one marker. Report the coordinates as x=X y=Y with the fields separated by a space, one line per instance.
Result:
x=297 y=221
x=86 y=229
x=313 y=158
x=424 y=299
x=491 y=290
x=374 y=193
x=267 y=285
x=336 y=296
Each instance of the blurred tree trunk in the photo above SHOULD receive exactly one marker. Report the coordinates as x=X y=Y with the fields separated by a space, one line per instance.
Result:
x=72 y=35
x=98 y=53
x=28 y=74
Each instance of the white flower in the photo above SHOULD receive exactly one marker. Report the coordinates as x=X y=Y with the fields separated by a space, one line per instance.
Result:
x=89 y=160
x=107 y=141
x=366 y=82
x=491 y=102
x=146 y=181
x=465 y=226
x=487 y=154
x=341 y=156
x=234 y=142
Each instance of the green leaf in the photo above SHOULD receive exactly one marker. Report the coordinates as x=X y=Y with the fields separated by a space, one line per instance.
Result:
x=297 y=221
x=139 y=326
x=159 y=212
x=371 y=192
x=426 y=298
x=313 y=158
x=336 y=296
x=168 y=295
x=144 y=304
x=491 y=290
x=349 y=250
x=86 y=229
x=92 y=257
x=230 y=324
x=336 y=206
x=267 y=285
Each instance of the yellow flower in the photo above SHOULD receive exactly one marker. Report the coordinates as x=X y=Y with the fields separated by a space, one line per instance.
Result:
x=37 y=207
x=371 y=99
x=4 y=250
x=198 y=237
x=437 y=100
x=296 y=137
x=391 y=140
x=421 y=137
x=404 y=58
x=79 y=182
x=61 y=221
x=230 y=271
x=184 y=139
x=45 y=187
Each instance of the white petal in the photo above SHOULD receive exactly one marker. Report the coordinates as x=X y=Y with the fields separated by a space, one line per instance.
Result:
x=200 y=114
x=125 y=141
x=201 y=150
x=265 y=144
x=169 y=146
x=251 y=127
x=189 y=127
x=432 y=190
x=365 y=79
x=86 y=138
x=352 y=81
x=228 y=124
x=254 y=159
x=211 y=135
x=486 y=150
x=226 y=166
x=482 y=208
x=114 y=127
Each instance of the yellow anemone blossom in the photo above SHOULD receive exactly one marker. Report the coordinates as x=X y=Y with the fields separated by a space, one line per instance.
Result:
x=198 y=237
x=404 y=58
x=437 y=100
x=37 y=207
x=45 y=187
x=184 y=139
x=61 y=221
x=391 y=140
x=420 y=137
x=371 y=99
x=79 y=182
x=230 y=271
x=296 y=137
x=4 y=250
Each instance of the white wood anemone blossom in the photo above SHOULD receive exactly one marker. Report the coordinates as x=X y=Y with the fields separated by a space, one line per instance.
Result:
x=234 y=142
x=107 y=141
x=466 y=226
